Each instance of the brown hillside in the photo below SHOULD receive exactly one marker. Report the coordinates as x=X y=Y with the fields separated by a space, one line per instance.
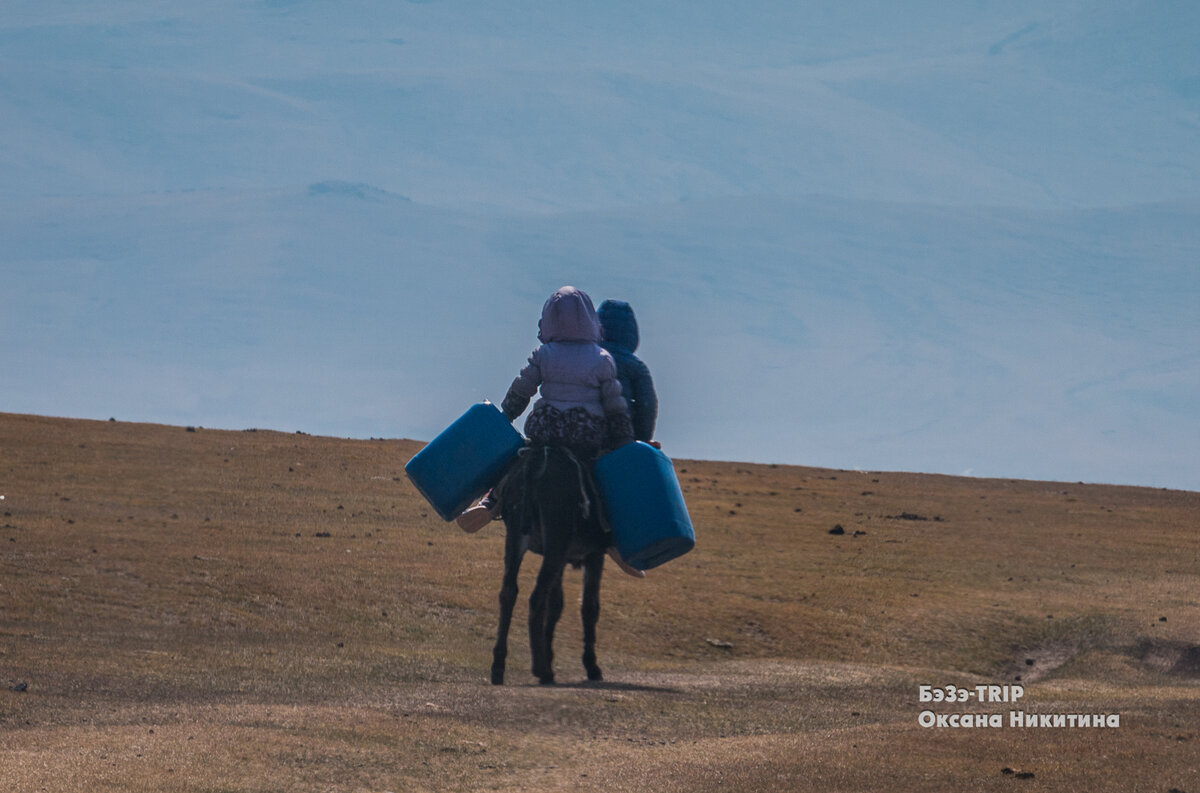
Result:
x=200 y=610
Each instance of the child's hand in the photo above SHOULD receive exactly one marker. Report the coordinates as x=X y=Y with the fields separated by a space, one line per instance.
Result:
x=655 y=444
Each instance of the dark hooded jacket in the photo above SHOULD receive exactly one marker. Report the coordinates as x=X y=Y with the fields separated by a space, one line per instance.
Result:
x=621 y=339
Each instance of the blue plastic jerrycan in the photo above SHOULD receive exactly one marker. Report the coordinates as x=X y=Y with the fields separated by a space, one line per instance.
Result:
x=465 y=460
x=644 y=505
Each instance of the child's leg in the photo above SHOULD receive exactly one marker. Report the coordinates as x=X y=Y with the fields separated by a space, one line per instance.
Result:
x=479 y=515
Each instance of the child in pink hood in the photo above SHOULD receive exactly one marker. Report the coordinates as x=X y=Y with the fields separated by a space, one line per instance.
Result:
x=581 y=404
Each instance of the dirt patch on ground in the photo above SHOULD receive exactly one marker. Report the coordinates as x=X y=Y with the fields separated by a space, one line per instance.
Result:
x=1032 y=664
x=1176 y=658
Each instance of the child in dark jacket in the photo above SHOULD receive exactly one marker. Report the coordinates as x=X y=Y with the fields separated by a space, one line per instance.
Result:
x=621 y=340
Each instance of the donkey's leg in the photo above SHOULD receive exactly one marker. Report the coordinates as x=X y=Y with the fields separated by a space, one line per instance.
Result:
x=593 y=567
x=513 y=553
x=541 y=629
x=554 y=610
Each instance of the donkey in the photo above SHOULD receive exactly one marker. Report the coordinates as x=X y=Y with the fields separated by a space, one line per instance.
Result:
x=550 y=506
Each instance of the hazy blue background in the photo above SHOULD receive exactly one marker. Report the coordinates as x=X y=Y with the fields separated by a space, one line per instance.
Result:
x=954 y=237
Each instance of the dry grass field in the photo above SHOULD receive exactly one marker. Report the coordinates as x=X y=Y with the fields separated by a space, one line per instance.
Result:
x=186 y=609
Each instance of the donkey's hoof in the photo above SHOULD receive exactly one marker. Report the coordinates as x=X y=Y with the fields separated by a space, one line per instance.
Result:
x=497 y=676
x=595 y=675
x=546 y=680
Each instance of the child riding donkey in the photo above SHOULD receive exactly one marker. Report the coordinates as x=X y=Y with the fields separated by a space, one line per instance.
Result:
x=581 y=406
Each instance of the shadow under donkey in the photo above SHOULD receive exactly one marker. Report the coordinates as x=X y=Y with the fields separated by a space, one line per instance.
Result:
x=550 y=506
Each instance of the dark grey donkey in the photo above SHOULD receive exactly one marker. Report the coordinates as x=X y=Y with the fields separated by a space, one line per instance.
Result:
x=550 y=506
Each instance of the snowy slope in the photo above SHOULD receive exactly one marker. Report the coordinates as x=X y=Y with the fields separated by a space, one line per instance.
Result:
x=945 y=239
x=542 y=106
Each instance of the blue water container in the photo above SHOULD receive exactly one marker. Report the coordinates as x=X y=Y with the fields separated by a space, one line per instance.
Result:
x=644 y=505
x=465 y=460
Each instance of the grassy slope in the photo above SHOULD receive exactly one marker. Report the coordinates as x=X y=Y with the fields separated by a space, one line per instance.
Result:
x=251 y=611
